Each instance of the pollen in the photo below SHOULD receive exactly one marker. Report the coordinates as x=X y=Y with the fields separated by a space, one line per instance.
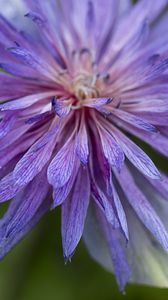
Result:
x=85 y=87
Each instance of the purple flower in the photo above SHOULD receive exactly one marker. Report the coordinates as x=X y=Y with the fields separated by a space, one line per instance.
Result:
x=75 y=89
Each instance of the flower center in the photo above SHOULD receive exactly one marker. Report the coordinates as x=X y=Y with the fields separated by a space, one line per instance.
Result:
x=84 y=87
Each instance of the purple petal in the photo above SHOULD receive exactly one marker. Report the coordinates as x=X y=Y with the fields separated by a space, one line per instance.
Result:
x=121 y=267
x=117 y=253
x=105 y=206
x=34 y=61
x=111 y=149
x=142 y=207
x=21 y=145
x=145 y=254
x=61 y=167
x=32 y=197
x=121 y=214
x=37 y=18
x=134 y=120
x=38 y=117
x=24 y=55
x=82 y=148
x=8 y=188
x=137 y=156
x=34 y=160
x=60 y=194
x=19 y=70
x=61 y=107
x=157 y=118
x=25 y=101
x=95 y=241
x=155 y=10
x=104 y=245
x=161 y=186
x=156 y=141
x=100 y=167
x=74 y=211
x=7 y=123
x=97 y=102
x=9 y=33
x=90 y=16
x=50 y=27
x=7 y=243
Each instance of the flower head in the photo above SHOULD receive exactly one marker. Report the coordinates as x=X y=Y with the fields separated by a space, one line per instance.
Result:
x=87 y=78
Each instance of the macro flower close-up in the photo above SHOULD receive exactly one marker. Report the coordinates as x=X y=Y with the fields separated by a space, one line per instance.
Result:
x=84 y=124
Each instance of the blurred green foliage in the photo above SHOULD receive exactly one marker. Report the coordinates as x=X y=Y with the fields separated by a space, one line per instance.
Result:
x=35 y=270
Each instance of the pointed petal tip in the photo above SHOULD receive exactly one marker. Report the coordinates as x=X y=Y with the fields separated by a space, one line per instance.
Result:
x=122 y=283
x=109 y=100
x=68 y=257
x=157 y=175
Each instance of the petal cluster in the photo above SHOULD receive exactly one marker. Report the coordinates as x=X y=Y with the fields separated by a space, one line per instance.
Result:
x=82 y=94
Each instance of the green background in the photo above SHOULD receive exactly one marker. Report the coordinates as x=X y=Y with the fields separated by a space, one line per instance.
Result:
x=35 y=270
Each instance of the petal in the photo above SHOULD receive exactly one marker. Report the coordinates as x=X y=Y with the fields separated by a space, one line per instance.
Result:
x=74 y=211
x=97 y=102
x=121 y=267
x=140 y=12
x=160 y=186
x=125 y=6
x=104 y=204
x=8 y=188
x=33 y=60
x=157 y=141
x=6 y=244
x=61 y=167
x=135 y=120
x=104 y=246
x=142 y=207
x=25 y=102
x=60 y=194
x=30 y=200
x=111 y=149
x=7 y=124
x=100 y=167
x=12 y=11
x=19 y=70
x=82 y=148
x=35 y=158
x=156 y=9
x=137 y=156
x=48 y=18
x=37 y=18
x=148 y=259
x=95 y=241
x=21 y=145
x=90 y=17
x=61 y=108
x=120 y=213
